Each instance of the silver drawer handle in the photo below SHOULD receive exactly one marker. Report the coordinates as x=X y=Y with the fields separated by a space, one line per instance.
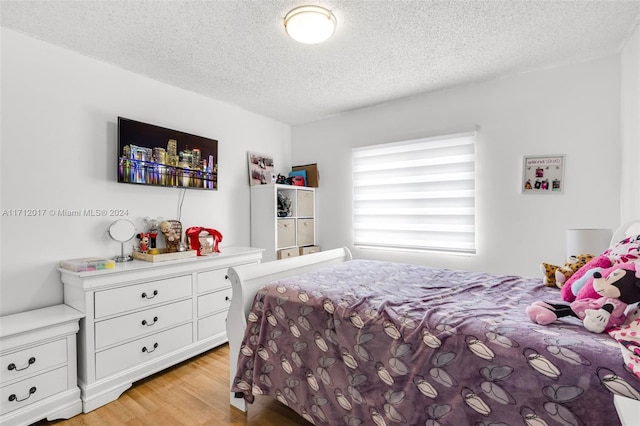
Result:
x=145 y=296
x=13 y=396
x=149 y=324
x=12 y=366
x=155 y=346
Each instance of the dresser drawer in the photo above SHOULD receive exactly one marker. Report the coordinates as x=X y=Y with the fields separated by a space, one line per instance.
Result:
x=33 y=389
x=306 y=232
x=145 y=349
x=286 y=233
x=137 y=324
x=28 y=361
x=213 y=302
x=212 y=280
x=212 y=325
x=123 y=299
x=304 y=203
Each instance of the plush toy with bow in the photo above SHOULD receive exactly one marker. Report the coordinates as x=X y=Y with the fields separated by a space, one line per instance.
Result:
x=617 y=290
x=572 y=287
x=144 y=242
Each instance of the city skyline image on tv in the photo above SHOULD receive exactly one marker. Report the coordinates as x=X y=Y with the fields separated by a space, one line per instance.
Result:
x=154 y=155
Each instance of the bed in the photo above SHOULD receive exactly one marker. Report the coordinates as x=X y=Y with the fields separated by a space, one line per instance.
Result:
x=359 y=342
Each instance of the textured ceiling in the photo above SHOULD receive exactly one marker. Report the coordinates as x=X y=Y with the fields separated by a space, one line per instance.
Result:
x=238 y=52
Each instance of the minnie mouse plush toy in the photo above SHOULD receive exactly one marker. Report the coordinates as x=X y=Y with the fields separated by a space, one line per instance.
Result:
x=619 y=289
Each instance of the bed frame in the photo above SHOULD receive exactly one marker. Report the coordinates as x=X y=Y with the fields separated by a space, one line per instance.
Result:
x=245 y=282
x=247 y=279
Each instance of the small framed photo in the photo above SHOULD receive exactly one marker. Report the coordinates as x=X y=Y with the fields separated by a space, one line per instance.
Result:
x=543 y=174
x=260 y=169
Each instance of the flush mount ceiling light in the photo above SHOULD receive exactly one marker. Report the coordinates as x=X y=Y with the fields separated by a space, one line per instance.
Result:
x=310 y=24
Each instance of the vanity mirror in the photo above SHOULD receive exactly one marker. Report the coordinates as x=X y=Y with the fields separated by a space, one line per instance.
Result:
x=122 y=230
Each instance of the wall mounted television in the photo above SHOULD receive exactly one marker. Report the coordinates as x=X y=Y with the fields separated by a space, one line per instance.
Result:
x=154 y=155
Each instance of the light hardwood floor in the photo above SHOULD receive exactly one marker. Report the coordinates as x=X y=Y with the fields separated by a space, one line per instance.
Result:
x=195 y=392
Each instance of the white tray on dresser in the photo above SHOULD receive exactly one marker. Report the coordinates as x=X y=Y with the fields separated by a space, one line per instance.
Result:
x=142 y=317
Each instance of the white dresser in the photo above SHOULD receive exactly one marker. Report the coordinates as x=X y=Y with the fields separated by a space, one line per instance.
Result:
x=38 y=365
x=142 y=317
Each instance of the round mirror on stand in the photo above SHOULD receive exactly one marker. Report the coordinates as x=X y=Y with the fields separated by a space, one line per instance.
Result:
x=122 y=230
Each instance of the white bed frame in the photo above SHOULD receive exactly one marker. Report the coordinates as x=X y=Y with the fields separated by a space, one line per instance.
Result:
x=630 y=228
x=246 y=280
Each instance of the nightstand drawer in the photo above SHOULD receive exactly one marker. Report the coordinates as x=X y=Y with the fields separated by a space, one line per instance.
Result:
x=213 y=302
x=286 y=233
x=304 y=203
x=306 y=232
x=123 y=299
x=140 y=323
x=29 y=361
x=143 y=350
x=212 y=325
x=33 y=389
x=212 y=280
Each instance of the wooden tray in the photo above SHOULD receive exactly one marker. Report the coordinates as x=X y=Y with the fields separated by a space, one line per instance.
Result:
x=161 y=257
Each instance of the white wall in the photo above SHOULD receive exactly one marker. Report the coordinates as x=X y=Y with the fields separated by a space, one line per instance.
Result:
x=58 y=140
x=573 y=110
x=630 y=123
x=59 y=112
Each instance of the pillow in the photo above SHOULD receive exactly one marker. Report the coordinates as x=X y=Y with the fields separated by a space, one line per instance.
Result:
x=627 y=250
x=601 y=261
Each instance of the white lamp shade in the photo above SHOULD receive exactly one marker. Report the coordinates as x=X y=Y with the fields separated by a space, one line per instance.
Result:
x=310 y=24
x=587 y=241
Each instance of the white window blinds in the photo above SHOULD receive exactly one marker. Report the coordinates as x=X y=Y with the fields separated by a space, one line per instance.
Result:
x=418 y=194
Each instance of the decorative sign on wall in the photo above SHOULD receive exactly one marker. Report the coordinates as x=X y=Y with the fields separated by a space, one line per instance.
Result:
x=543 y=174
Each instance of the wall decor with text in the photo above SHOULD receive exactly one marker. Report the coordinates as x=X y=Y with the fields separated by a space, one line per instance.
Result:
x=543 y=174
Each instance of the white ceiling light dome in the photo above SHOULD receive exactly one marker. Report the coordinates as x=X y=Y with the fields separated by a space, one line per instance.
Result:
x=310 y=24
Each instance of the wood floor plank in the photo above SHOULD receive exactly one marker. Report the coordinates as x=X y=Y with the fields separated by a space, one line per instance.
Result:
x=195 y=392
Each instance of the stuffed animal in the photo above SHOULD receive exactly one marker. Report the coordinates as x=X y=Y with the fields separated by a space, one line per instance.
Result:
x=172 y=231
x=556 y=276
x=549 y=274
x=587 y=290
x=572 y=286
x=144 y=242
x=581 y=290
x=617 y=290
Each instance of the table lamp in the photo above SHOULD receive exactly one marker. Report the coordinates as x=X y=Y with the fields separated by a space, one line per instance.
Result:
x=587 y=241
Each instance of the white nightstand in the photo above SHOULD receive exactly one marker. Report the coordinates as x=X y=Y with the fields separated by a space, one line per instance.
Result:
x=38 y=368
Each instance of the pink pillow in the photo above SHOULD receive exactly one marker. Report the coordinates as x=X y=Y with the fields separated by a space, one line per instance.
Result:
x=597 y=262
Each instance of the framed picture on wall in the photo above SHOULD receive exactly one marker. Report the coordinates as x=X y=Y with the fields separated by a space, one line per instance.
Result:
x=543 y=174
x=260 y=168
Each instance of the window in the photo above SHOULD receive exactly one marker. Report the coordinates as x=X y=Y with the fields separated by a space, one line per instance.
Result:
x=418 y=194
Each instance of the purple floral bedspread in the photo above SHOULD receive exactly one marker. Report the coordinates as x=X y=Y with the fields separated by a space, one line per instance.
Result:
x=378 y=343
